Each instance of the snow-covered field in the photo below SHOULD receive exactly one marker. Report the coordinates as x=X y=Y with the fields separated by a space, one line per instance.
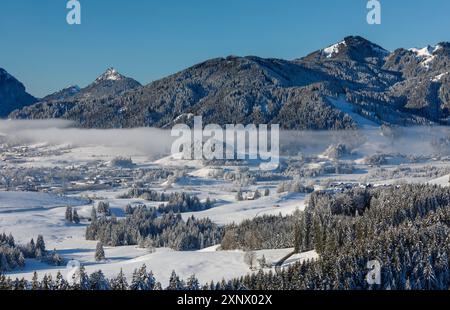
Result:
x=11 y=202
x=206 y=265
x=236 y=212
x=27 y=214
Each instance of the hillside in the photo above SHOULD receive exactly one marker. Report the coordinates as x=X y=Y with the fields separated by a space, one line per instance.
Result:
x=12 y=94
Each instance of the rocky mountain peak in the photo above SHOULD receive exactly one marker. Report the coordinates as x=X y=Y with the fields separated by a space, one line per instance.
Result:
x=425 y=52
x=353 y=48
x=110 y=74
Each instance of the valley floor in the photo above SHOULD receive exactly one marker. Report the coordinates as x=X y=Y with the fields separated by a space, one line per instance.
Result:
x=26 y=214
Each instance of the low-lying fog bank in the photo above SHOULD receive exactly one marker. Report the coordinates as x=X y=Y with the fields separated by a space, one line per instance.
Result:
x=412 y=141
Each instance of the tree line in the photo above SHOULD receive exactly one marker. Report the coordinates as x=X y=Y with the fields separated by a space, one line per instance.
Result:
x=13 y=255
x=141 y=280
x=146 y=226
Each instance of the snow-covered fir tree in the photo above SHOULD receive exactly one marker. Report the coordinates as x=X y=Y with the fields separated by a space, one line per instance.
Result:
x=99 y=252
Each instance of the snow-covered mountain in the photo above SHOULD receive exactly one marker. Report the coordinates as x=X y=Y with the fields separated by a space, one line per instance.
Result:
x=404 y=87
x=354 y=48
x=109 y=83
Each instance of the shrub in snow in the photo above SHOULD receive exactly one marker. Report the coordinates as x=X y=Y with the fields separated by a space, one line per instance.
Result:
x=250 y=259
x=336 y=151
x=376 y=160
x=122 y=162
x=294 y=187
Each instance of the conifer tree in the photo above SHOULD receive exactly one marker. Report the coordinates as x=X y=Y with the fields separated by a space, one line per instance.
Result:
x=99 y=252
x=83 y=279
x=151 y=281
x=93 y=216
x=21 y=260
x=69 y=215
x=60 y=283
x=75 y=217
x=46 y=283
x=174 y=282
x=119 y=283
x=98 y=281
x=35 y=284
x=192 y=283
x=136 y=281
x=40 y=244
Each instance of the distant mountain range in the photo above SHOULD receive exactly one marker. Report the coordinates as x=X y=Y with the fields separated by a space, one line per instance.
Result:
x=403 y=87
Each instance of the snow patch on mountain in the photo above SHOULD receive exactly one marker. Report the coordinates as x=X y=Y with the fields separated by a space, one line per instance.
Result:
x=355 y=42
x=346 y=107
x=73 y=88
x=437 y=78
x=111 y=74
x=333 y=49
x=187 y=116
x=426 y=54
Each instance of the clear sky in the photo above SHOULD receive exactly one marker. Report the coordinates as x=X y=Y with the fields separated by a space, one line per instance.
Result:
x=150 y=39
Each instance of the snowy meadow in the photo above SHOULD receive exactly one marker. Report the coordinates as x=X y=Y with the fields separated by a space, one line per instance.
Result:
x=115 y=200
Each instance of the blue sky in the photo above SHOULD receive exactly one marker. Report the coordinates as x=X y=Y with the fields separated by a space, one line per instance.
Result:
x=150 y=39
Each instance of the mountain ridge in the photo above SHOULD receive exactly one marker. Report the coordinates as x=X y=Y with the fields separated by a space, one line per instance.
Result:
x=394 y=88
